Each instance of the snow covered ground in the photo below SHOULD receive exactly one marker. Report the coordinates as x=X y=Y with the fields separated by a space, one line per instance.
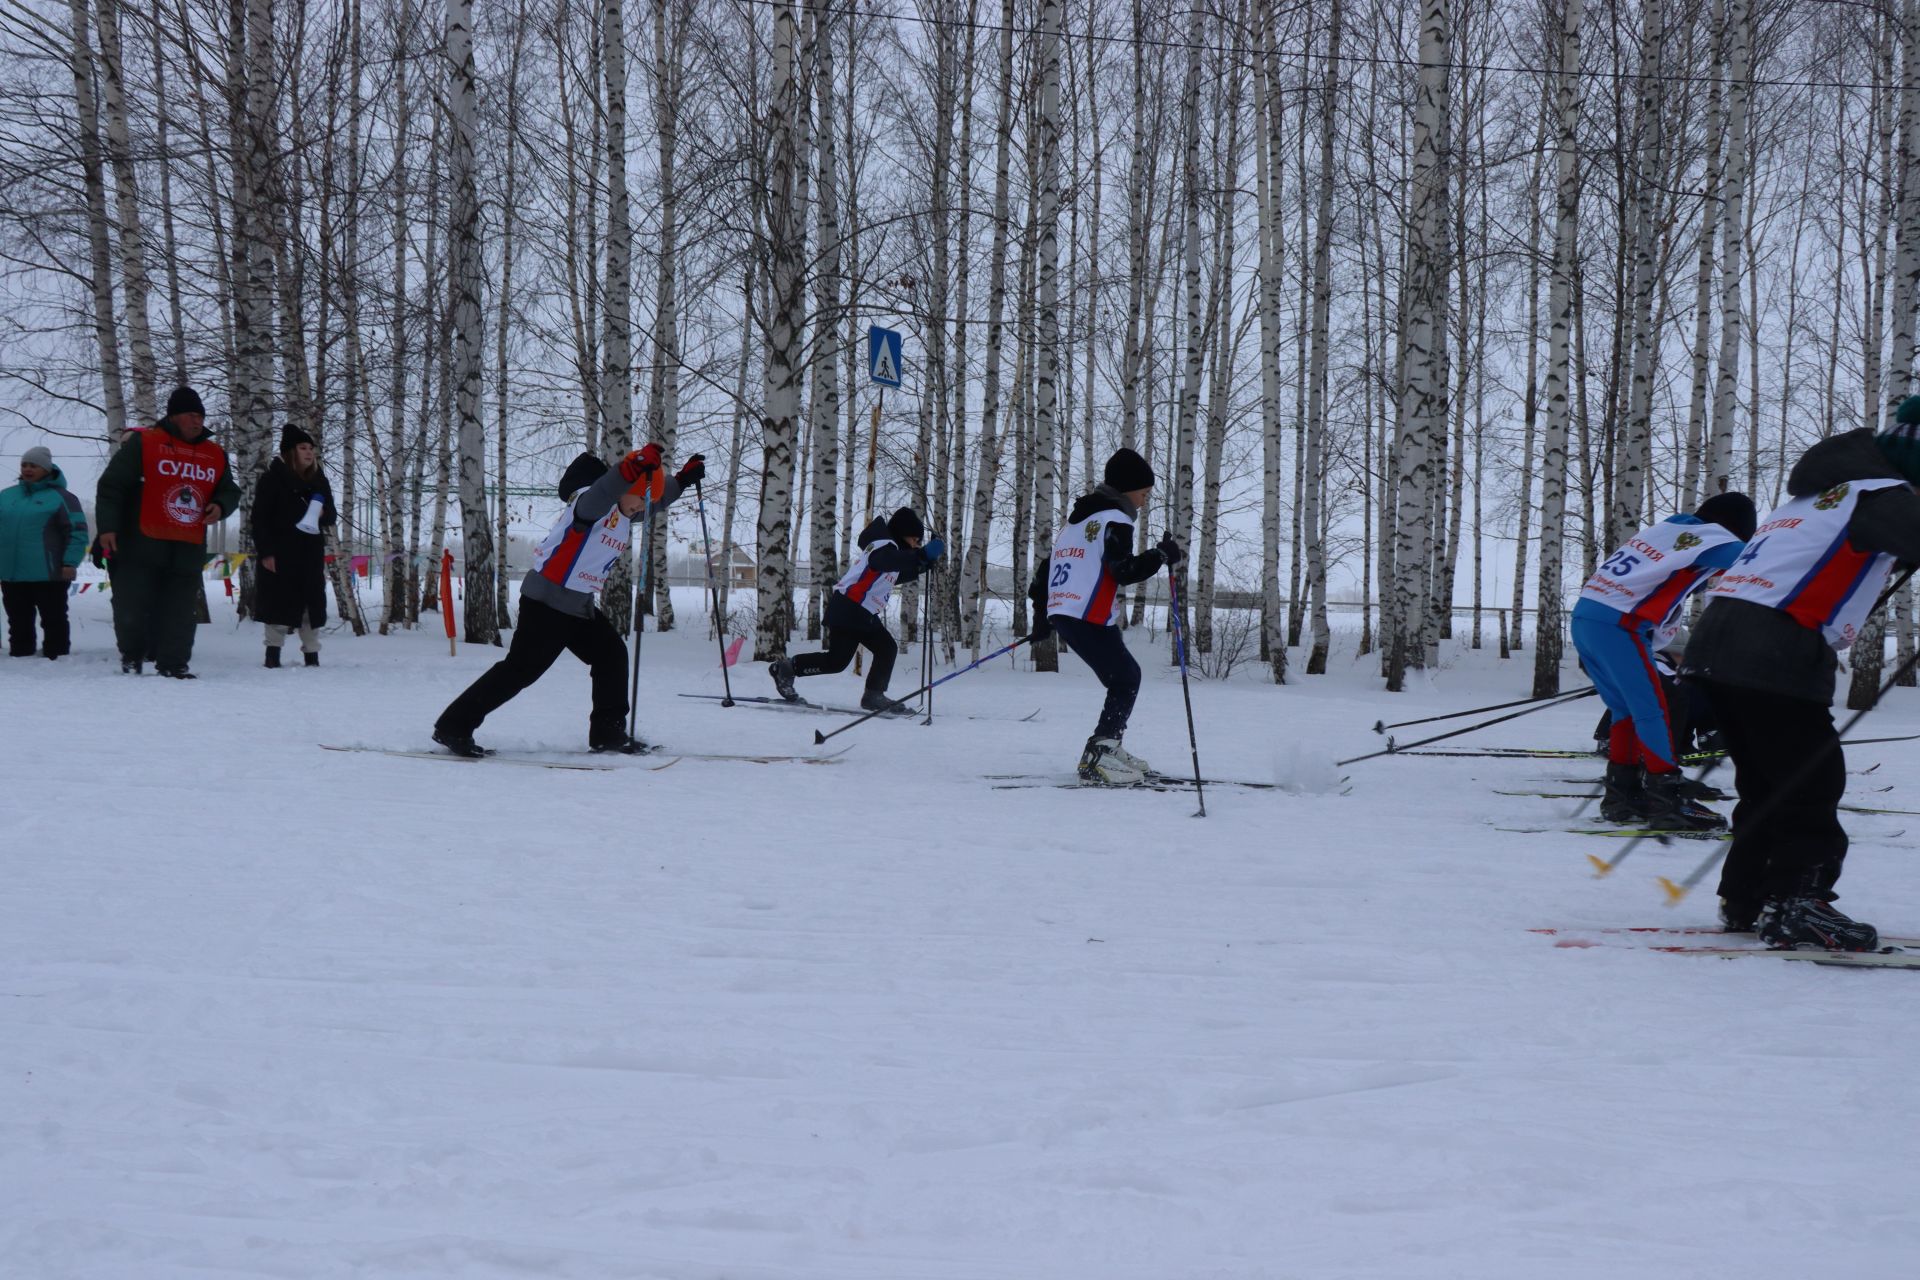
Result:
x=267 y=1010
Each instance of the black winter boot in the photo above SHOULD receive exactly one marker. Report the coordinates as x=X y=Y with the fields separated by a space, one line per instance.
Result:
x=461 y=744
x=1666 y=811
x=872 y=701
x=1813 y=924
x=273 y=659
x=312 y=659
x=1622 y=800
x=618 y=743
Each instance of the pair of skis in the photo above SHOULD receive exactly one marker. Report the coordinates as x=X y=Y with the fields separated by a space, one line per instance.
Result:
x=817 y=708
x=533 y=760
x=1705 y=940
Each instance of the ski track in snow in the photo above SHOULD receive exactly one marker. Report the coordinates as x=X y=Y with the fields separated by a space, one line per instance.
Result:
x=272 y=1011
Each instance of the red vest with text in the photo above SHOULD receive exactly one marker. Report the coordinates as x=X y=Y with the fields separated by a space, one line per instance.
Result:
x=178 y=480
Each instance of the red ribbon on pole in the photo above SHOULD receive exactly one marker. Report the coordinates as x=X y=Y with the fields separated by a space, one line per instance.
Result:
x=446 y=595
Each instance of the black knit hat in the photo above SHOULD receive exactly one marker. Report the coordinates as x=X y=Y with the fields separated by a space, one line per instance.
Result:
x=185 y=400
x=580 y=473
x=904 y=524
x=1733 y=512
x=1127 y=471
x=290 y=436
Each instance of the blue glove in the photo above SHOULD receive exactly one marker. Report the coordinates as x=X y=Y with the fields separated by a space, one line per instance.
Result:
x=933 y=549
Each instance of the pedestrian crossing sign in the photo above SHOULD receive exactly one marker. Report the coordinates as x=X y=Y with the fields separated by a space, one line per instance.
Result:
x=883 y=356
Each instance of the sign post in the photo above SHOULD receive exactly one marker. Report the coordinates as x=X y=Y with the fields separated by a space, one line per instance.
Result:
x=883 y=370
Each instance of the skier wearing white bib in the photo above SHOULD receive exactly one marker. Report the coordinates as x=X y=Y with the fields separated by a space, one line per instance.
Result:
x=557 y=609
x=1076 y=595
x=1634 y=597
x=892 y=551
x=1765 y=651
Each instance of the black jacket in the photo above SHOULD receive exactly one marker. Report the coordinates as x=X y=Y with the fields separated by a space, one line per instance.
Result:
x=298 y=581
x=1116 y=547
x=1753 y=646
x=899 y=558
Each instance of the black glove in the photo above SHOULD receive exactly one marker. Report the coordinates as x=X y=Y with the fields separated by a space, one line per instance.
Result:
x=1169 y=550
x=690 y=474
x=1042 y=629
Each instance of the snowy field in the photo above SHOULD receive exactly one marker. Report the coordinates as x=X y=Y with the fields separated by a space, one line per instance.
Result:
x=272 y=1011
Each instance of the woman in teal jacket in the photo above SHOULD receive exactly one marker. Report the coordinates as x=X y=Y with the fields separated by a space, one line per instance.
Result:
x=43 y=535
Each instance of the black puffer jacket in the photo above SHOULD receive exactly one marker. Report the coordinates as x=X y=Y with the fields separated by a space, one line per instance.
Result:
x=298 y=581
x=1753 y=646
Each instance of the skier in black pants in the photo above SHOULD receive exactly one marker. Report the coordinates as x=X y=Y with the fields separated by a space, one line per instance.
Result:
x=1764 y=651
x=557 y=610
x=892 y=551
x=1075 y=595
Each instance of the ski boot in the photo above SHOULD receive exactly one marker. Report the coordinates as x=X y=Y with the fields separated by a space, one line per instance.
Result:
x=617 y=743
x=1807 y=923
x=1667 y=811
x=1738 y=915
x=461 y=744
x=880 y=702
x=1701 y=791
x=1129 y=759
x=1104 y=764
x=782 y=672
x=1623 y=800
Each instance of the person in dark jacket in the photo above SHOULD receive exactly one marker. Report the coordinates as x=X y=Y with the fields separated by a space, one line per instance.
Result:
x=1765 y=653
x=1076 y=595
x=43 y=535
x=292 y=508
x=892 y=551
x=160 y=492
x=557 y=609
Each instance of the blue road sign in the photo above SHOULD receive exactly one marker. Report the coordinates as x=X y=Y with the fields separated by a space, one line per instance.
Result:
x=883 y=355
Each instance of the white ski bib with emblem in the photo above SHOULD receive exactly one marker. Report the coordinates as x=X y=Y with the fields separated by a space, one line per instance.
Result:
x=868 y=588
x=580 y=559
x=1079 y=584
x=1649 y=560
x=1801 y=563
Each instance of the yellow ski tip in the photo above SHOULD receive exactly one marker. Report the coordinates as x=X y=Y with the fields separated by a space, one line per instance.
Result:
x=1674 y=891
x=1601 y=867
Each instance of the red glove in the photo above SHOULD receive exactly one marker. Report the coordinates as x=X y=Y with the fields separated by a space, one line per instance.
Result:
x=639 y=463
x=690 y=474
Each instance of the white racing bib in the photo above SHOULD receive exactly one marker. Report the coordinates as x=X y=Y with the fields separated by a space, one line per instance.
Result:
x=1079 y=582
x=580 y=559
x=866 y=586
x=1649 y=577
x=1802 y=563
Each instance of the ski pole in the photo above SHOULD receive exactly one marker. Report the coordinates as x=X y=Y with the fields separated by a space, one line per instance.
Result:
x=819 y=737
x=1394 y=748
x=1180 y=649
x=1675 y=892
x=639 y=614
x=926 y=639
x=1379 y=727
x=713 y=589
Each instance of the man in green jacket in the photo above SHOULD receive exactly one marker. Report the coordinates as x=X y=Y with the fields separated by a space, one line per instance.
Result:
x=43 y=535
x=159 y=493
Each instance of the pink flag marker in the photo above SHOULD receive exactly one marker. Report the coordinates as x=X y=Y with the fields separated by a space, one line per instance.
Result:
x=733 y=650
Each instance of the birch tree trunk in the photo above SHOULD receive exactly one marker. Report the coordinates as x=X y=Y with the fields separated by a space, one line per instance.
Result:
x=1698 y=431
x=1636 y=442
x=1566 y=231
x=1530 y=411
x=1180 y=509
x=616 y=346
x=1314 y=462
x=786 y=236
x=133 y=261
x=1732 y=238
x=1423 y=402
x=100 y=259
x=663 y=406
x=476 y=539
x=1046 y=656
x=1905 y=289
x=828 y=320
x=973 y=581
x=1269 y=151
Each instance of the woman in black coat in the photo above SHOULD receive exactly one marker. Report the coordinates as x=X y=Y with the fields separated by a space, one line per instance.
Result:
x=291 y=591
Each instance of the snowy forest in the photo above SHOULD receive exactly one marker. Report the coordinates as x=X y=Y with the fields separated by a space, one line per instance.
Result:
x=1401 y=300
